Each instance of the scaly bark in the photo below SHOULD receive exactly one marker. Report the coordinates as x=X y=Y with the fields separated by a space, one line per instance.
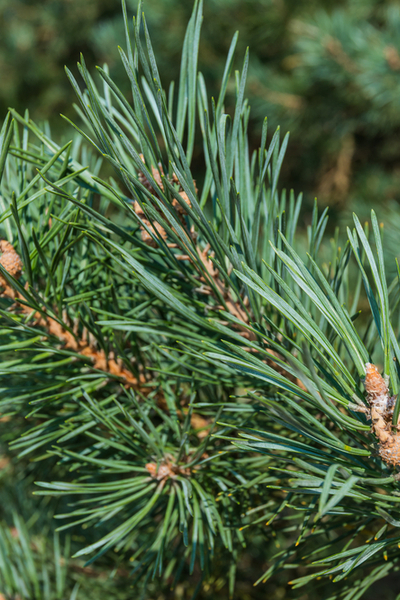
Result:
x=381 y=406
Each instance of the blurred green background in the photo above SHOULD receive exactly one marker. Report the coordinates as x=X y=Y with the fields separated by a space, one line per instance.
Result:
x=327 y=72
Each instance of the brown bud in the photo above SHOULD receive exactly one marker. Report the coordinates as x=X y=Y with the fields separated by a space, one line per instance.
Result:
x=374 y=382
x=10 y=261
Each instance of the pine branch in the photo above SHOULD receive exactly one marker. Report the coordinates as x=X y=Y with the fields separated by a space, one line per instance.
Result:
x=12 y=263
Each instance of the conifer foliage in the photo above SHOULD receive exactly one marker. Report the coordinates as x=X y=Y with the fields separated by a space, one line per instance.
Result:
x=181 y=383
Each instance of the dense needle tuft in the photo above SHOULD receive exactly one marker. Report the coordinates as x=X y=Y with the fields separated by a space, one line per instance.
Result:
x=174 y=375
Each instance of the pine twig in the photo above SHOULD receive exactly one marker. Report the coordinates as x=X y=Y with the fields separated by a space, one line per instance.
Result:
x=381 y=412
x=12 y=263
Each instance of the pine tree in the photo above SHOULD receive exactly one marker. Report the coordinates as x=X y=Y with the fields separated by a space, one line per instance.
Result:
x=182 y=380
